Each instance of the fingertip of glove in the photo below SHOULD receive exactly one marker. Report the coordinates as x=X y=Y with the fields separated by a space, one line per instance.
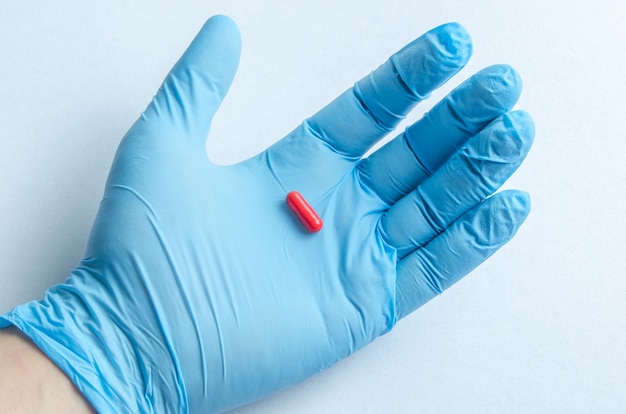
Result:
x=430 y=60
x=220 y=19
x=520 y=202
x=500 y=86
x=217 y=46
x=225 y=27
x=510 y=209
x=514 y=134
x=500 y=217
x=453 y=44
x=514 y=211
x=520 y=124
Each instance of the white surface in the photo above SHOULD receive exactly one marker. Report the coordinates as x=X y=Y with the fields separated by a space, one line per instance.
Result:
x=540 y=328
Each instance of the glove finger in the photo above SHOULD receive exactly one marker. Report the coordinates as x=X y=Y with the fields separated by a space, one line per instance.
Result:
x=467 y=243
x=194 y=89
x=406 y=161
x=377 y=103
x=470 y=176
x=362 y=115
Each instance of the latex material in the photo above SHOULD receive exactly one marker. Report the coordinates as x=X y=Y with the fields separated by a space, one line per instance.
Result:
x=189 y=300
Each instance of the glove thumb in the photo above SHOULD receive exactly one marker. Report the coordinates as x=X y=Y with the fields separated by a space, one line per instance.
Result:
x=196 y=86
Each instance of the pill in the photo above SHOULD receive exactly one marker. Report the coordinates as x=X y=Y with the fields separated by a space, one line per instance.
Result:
x=305 y=213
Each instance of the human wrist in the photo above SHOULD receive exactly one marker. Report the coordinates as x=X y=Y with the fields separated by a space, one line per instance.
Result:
x=30 y=382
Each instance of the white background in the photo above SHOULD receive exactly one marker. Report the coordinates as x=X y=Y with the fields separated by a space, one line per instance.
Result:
x=540 y=328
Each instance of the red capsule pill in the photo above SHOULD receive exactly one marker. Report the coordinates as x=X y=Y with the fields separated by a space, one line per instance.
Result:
x=305 y=213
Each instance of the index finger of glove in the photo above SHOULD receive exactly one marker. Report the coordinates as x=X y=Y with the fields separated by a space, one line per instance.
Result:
x=378 y=102
x=340 y=133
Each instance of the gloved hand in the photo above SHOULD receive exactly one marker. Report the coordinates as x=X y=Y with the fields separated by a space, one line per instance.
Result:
x=200 y=291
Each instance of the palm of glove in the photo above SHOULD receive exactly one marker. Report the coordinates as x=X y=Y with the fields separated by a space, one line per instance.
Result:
x=242 y=291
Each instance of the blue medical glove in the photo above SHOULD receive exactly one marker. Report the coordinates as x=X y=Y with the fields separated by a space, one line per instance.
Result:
x=200 y=291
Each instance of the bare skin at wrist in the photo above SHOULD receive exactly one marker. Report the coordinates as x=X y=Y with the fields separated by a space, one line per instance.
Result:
x=31 y=383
